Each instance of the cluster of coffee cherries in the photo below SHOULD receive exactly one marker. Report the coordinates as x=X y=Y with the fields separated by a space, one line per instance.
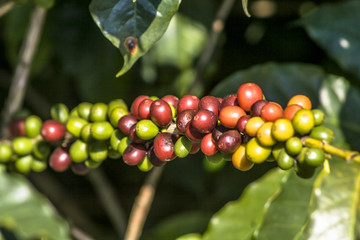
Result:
x=243 y=128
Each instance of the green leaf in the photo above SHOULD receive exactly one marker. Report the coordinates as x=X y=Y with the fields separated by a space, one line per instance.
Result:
x=334 y=209
x=335 y=28
x=27 y=213
x=245 y=7
x=286 y=214
x=142 y=22
x=239 y=219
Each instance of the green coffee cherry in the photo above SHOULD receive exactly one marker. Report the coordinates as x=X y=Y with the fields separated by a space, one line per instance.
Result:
x=45 y=3
x=303 y=121
x=293 y=146
x=33 y=126
x=146 y=129
x=322 y=133
x=23 y=164
x=303 y=170
x=255 y=152
x=38 y=165
x=92 y=164
x=22 y=146
x=84 y=110
x=113 y=154
x=115 y=139
x=74 y=126
x=182 y=147
x=215 y=158
x=5 y=152
x=282 y=129
x=116 y=114
x=319 y=116
x=78 y=151
x=41 y=150
x=98 y=112
x=314 y=157
x=60 y=112
x=98 y=151
x=214 y=162
x=285 y=161
x=115 y=104
x=125 y=141
x=74 y=112
x=145 y=165
x=101 y=130
x=85 y=133
x=276 y=149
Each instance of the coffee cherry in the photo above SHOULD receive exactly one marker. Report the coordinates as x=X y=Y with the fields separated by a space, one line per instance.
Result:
x=144 y=108
x=171 y=100
x=229 y=141
x=264 y=135
x=79 y=168
x=284 y=160
x=160 y=113
x=240 y=161
x=116 y=103
x=98 y=112
x=188 y=102
x=32 y=126
x=60 y=112
x=184 y=118
x=22 y=146
x=164 y=146
x=78 y=151
x=134 y=154
x=208 y=145
x=53 y=130
x=314 y=157
x=319 y=116
x=301 y=100
x=146 y=129
x=116 y=114
x=271 y=112
x=229 y=116
x=74 y=112
x=86 y=134
x=290 y=111
x=134 y=137
x=23 y=164
x=5 y=152
x=204 y=121
x=126 y=122
x=125 y=141
x=230 y=100
x=145 y=165
x=293 y=146
x=155 y=161
x=196 y=146
x=192 y=133
x=253 y=125
x=210 y=103
x=282 y=129
x=135 y=105
x=303 y=170
x=84 y=110
x=101 y=130
x=59 y=159
x=218 y=131
x=91 y=164
x=38 y=165
x=242 y=123
x=255 y=110
x=303 y=121
x=17 y=127
x=113 y=154
x=255 y=152
x=115 y=139
x=41 y=150
x=98 y=151
x=279 y=146
x=182 y=147
x=322 y=133
x=74 y=126
x=248 y=94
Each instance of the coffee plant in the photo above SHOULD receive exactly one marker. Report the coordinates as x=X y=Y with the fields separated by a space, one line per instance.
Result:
x=272 y=148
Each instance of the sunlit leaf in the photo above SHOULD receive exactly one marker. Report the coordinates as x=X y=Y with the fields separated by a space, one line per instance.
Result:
x=245 y=7
x=133 y=26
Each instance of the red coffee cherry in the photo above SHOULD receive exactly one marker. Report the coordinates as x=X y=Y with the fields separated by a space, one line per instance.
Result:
x=155 y=161
x=160 y=113
x=144 y=109
x=188 y=102
x=242 y=122
x=192 y=134
x=230 y=115
x=135 y=105
x=290 y=110
x=208 y=145
x=256 y=108
x=164 y=146
x=195 y=147
x=126 y=122
x=17 y=127
x=271 y=112
x=229 y=141
x=218 y=131
x=204 y=121
x=210 y=103
x=248 y=94
x=53 y=130
x=134 y=154
x=132 y=135
x=229 y=100
x=60 y=159
x=172 y=100
x=184 y=118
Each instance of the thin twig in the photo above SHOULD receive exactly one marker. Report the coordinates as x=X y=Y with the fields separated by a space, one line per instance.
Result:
x=110 y=202
x=217 y=27
x=142 y=205
x=19 y=82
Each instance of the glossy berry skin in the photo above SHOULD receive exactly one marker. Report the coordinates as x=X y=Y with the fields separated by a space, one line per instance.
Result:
x=41 y=150
x=301 y=100
x=101 y=130
x=155 y=161
x=282 y=129
x=322 y=133
x=195 y=147
x=172 y=100
x=229 y=141
x=116 y=114
x=182 y=147
x=98 y=112
x=271 y=112
x=184 y=118
x=59 y=159
x=164 y=146
x=84 y=110
x=289 y=111
x=53 y=130
x=134 y=154
x=303 y=121
x=240 y=161
x=17 y=127
x=229 y=100
x=218 y=131
x=22 y=145
x=74 y=126
x=79 y=168
x=134 y=137
x=135 y=105
x=257 y=106
x=98 y=151
x=210 y=103
x=160 y=113
x=23 y=164
x=319 y=116
x=117 y=103
x=314 y=157
x=247 y=94
x=59 y=112
x=253 y=125
x=264 y=135
x=293 y=146
x=255 y=152
x=192 y=134
x=204 y=121
x=5 y=152
x=145 y=165
x=208 y=145
x=78 y=151
x=144 y=109
x=230 y=115
x=33 y=126
x=146 y=129
x=126 y=122
x=242 y=123
x=284 y=160
x=188 y=102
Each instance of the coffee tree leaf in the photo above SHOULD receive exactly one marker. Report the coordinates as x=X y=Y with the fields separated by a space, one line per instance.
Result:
x=133 y=26
x=26 y=212
x=239 y=219
x=340 y=38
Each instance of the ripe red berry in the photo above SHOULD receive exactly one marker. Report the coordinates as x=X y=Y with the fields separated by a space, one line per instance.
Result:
x=230 y=115
x=204 y=121
x=218 y=131
x=247 y=94
x=230 y=100
x=160 y=113
x=188 y=102
x=242 y=122
x=229 y=141
x=256 y=108
x=135 y=105
x=155 y=161
x=192 y=134
x=271 y=112
x=210 y=103
x=184 y=118
x=144 y=109
x=17 y=127
x=53 y=130
x=126 y=122
x=164 y=146
x=171 y=99
x=134 y=154
x=208 y=145
x=60 y=159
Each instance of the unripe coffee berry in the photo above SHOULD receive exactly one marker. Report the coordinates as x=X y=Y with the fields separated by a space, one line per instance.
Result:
x=59 y=112
x=101 y=130
x=146 y=129
x=33 y=126
x=22 y=146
